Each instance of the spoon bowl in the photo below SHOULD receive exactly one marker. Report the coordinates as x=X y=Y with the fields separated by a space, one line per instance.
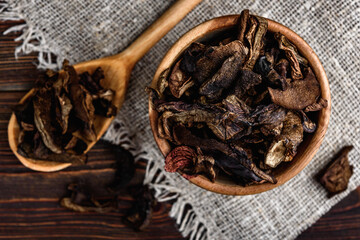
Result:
x=307 y=148
x=117 y=70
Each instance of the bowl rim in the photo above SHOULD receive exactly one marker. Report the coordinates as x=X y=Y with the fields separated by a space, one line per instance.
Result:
x=302 y=158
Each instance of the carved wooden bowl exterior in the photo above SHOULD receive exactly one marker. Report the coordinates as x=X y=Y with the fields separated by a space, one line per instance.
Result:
x=307 y=148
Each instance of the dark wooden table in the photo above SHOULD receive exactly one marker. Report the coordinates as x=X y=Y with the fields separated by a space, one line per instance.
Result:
x=29 y=201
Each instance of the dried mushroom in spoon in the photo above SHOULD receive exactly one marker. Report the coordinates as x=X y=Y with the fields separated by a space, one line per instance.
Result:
x=57 y=121
x=236 y=106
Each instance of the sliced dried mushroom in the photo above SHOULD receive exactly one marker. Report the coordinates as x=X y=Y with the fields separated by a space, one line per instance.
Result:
x=272 y=56
x=84 y=109
x=205 y=164
x=223 y=78
x=237 y=106
x=320 y=104
x=191 y=55
x=299 y=94
x=42 y=119
x=308 y=125
x=292 y=55
x=336 y=176
x=83 y=201
x=244 y=18
x=163 y=82
x=275 y=154
x=284 y=147
x=247 y=79
x=214 y=57
x=186 y=114
x=64 y=112
x=293 y=132
x=178 y=81
x=40 y=151
x=257 y=44
x=71 y=143
x=270 y=118
x=102 y=102
x=235 y=122
x=238 y=172
x=249 y=36
x=277 y=76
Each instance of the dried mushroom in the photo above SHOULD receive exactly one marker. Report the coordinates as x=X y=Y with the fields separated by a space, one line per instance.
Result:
x=43 y=121
x=83 y=196
x=190 y=163
x=292 y=55
x=320 y=104
x=247 y=80
x=180 y=159
x=223 y=78
x=284 y=147
x=214 y=57
x=59 y=116
x=308 y=125
x=178 y=81
x=82 y=200
x=256 y=42
x=336 y=176
x=139 y=215
x=236 y=106
x=244 y=18
x=299 y=94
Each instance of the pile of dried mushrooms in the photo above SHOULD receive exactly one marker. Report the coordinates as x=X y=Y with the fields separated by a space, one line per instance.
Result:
x=57 y=120
x=237 y=105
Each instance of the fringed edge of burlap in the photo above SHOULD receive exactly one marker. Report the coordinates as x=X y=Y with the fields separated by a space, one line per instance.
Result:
x=189 y=222
x=32 y=38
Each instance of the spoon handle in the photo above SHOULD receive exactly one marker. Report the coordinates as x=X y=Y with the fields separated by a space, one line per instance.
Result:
x=158 y=29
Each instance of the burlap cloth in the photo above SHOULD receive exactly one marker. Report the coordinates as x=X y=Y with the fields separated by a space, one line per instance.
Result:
x=81 y=30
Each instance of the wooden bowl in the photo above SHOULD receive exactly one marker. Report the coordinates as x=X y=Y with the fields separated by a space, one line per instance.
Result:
x=307 y=148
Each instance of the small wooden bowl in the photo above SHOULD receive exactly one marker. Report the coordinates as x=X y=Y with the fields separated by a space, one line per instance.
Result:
x=307 y=148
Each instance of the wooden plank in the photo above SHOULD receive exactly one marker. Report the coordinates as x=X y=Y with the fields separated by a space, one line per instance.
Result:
x=15 y=74
x=341 y=222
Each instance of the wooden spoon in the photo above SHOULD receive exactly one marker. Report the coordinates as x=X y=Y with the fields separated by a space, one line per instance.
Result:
x=117 y=70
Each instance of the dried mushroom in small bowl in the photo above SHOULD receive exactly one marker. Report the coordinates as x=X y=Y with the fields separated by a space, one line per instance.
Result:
x=232 y=102
x=57 y=120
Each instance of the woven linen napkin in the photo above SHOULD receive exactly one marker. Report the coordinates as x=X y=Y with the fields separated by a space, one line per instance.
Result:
x=81 y=30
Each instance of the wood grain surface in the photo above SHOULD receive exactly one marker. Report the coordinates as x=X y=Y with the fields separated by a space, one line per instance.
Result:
x=29 y=201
